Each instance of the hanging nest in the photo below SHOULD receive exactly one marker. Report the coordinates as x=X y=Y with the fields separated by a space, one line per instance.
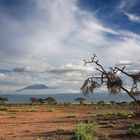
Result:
x=136 y=77
x=89 y=87
x=114 y=84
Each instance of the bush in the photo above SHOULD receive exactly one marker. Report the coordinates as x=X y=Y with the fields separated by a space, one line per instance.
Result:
x=31 y=110
x=2 y=113
x=125 y=114
x=101 y=103
x=85 y=131
x=134 y=129
x=49 y=110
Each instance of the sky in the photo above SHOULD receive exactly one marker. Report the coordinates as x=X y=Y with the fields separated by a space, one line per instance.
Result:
x=46 y=41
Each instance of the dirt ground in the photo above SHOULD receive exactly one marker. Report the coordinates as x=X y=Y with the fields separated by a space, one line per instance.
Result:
x=59 y=123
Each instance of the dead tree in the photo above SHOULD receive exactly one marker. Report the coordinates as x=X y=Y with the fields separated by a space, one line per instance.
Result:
x=112 y=80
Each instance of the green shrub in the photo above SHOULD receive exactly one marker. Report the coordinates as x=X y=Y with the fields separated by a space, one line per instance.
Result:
x=13 y=116
x=93 y=122
x=118 y=114
x=101 y=103
x=105 y=136
x=60 y=130
x=134 y=129
x=89 y=112
x=85 y=131
x=125 y=114
x=112 y=125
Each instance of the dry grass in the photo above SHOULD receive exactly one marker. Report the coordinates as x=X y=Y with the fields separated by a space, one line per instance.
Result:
x=62 y=121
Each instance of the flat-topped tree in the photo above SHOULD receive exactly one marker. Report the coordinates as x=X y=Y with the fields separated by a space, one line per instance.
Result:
x=113 y=81
x=3 y=100
x=50 y=100
x=41 y=101
x=37 y=101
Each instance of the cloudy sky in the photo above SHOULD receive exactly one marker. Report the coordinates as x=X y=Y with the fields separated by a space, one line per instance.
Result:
x=45 y=41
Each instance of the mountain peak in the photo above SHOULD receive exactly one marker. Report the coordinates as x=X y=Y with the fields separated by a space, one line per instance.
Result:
x=35 y=87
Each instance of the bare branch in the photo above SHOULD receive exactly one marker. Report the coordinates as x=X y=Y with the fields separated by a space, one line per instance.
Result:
x=113 y=82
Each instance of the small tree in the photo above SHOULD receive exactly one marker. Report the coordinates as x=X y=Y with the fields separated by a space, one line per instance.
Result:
x=3 y=100
x=112 y=102
x=33 y=100
x=41 y=101
x=37 y=101
x=80 y=100
x=101 y=103
x=50 y=100
x=113 y=81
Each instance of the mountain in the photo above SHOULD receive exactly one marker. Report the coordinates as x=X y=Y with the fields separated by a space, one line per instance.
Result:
x=35 y=87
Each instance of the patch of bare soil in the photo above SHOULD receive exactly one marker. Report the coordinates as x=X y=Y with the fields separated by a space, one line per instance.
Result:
x=59 y=123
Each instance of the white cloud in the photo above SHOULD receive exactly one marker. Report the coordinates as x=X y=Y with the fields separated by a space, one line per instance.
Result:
x=32 y=68
x=133 y=17
x=61 y=29
x=72 y=69
x=124 y=62
x=55 y=38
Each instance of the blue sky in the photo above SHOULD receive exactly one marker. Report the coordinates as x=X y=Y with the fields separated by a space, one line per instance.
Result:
x=45 y=41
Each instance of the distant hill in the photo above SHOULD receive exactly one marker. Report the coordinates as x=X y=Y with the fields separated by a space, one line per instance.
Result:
x=35 y=87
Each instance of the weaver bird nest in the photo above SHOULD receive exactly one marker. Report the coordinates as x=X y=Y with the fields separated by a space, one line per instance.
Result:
x=114 y=84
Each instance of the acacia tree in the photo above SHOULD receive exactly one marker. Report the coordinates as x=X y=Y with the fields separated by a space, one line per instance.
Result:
x=112 y=79
x=50 y=100
x=36 y=100
x=33 y=100
x=3 y=100
x=80 y=100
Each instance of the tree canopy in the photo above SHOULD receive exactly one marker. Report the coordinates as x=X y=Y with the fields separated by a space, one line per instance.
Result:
x=2 y=100
x=80 y=100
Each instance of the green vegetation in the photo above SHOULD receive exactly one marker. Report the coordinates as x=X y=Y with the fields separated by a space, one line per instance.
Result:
x=86 y=131
x=112 y=124
x=134 y=129
x=125 y=114
x=104 y=136
x=13 y=116
x=121 y=115
x=101 y=103
x=80 y=100
x=31 y=110
x=41 y=138
x=50 y=101
x=89 y=113
x=3 y=100
x=2 y=113
x=60 y=130
x=40 y=101
x=49 y=110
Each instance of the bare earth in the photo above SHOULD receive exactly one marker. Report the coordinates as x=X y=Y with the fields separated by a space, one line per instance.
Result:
x=59 y=123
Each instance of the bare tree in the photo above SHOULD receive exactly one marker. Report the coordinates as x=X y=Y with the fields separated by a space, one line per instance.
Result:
x=112 y=80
